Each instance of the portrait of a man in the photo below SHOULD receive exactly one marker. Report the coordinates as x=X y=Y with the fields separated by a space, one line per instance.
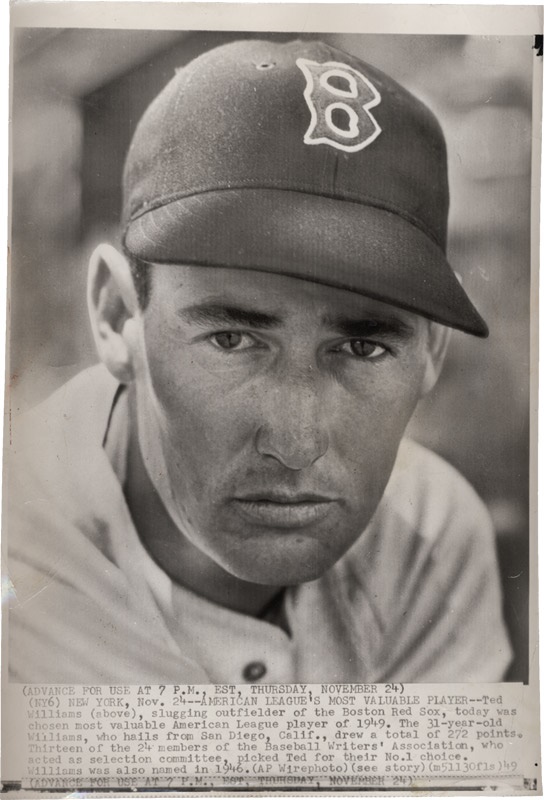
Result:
x=231 y=494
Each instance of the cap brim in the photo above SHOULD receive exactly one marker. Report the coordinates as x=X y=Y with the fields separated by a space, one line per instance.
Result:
x=347 y=245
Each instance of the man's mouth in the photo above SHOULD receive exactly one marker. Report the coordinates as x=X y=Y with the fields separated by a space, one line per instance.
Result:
x=284 y=510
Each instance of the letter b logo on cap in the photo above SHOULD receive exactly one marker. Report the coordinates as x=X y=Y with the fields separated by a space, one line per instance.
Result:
x=339 y=98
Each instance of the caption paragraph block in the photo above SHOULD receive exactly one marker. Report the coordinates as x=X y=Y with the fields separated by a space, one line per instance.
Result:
x=323 y=736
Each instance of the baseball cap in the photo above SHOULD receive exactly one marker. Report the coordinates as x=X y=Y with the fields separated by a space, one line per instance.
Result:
x=302 y=160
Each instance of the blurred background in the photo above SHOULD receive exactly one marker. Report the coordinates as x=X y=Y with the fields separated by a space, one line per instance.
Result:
x=77 y=96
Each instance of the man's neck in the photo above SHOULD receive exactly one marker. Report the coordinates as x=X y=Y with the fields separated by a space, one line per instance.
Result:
x=175 y=554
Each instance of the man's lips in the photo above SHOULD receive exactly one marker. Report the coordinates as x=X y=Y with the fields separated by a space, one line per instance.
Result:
x=284 y=510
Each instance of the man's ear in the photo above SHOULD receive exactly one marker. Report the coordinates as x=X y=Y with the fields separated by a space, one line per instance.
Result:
x=112 y=302
x=437 y=346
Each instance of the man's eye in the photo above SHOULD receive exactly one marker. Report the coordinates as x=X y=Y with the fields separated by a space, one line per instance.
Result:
x=362 y=348
x=232 y=340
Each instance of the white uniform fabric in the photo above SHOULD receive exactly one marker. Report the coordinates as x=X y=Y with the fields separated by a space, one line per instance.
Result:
x=416 y=599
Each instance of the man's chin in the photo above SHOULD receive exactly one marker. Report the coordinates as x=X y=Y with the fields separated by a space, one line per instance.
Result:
x=281 y=571
x=281 y=556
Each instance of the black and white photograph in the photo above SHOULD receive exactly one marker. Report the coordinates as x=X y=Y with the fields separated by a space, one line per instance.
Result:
x=269 y=358
x=269 y=517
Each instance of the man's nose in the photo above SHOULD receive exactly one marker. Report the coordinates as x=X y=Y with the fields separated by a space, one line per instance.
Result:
x=294 y=430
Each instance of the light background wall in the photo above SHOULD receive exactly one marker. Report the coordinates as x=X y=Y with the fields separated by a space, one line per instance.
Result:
x=77 y=95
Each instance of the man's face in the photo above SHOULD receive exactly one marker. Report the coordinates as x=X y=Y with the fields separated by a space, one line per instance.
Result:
x=269 y=413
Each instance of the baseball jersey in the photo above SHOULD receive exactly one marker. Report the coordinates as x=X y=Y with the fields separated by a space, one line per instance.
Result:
x=415 y=599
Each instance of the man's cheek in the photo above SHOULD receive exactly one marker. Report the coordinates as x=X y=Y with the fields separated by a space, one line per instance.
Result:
x=374 y=423
x=366 y=444
x=203 y=444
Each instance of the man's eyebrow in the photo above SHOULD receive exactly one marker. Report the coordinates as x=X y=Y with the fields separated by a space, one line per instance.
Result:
x=223 y=314
x=391 y=327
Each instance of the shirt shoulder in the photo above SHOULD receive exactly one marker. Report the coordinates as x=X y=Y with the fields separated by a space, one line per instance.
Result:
x=56 y=465
x=426 y=567
x=82 y=609
x=431 y=498
x=429 y=525
x=429 y=514
x=75 y=414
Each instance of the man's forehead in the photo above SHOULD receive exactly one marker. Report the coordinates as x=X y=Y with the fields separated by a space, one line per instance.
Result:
x=204 y=293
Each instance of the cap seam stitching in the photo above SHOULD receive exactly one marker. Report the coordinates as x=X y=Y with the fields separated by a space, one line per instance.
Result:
x=370 y=200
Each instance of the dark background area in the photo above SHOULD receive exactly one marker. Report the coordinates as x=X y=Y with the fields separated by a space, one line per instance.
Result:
x=77 y=96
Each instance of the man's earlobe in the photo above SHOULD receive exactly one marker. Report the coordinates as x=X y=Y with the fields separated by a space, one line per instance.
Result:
x=112 y=302
x=437 y=347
